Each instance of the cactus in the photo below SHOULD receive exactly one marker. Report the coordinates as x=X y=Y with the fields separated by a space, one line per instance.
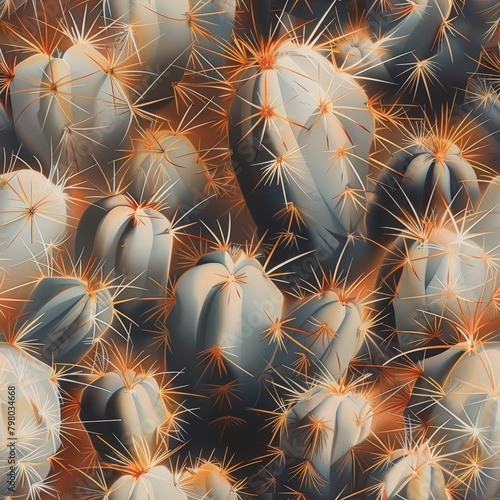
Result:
x=157 y=36
x=206 y=480
x=33 y=216
x=154 y=484
x=123 y=412
x=69 y=315
x=432 y=279
x=70 y=107
x=431 y=176
x=164 y=158
x=300 y=158
x=321 y=429
x=223 y=306
x=329 y=326
x=30 y=416
x=212 y=24
x=132 y=241
x=455 y=400
x=413 y=472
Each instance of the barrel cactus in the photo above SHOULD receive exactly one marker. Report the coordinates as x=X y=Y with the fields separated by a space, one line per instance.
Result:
x=301 y=134
x=432 y=279
x=224 y=305
x=157 y=36
x=70 y=107
x=153 y=484
x=33 y=216
x=321 y=429
x=124 y=412
x=30 y=417
x=69 y=315
x=456 y=401
x=425 y=179
x=413 y=472
x=208 y=480
x=329 y=326
x=162 y=158
x=131 y=240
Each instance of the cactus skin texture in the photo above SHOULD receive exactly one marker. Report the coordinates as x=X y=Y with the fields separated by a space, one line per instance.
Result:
x=412 y=473
x=227 y=302
x=329 y=328
x=149 y=30
x=166 y=159
x=426 y=280
x=322 y=428
x=420 y=179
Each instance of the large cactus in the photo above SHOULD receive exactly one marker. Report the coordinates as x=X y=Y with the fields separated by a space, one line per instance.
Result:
x=422 y=179
x=321 y=429
x=223 y=307
x=71 y=107
x=301 y=134
x=432 y=280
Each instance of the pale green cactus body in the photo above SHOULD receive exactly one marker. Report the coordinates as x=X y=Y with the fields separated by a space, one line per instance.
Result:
x=36 y=407
x=124 y=412
x=157 y=483
x=68 y=315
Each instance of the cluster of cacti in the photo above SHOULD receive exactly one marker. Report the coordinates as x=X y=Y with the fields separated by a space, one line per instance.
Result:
x=249 y=249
